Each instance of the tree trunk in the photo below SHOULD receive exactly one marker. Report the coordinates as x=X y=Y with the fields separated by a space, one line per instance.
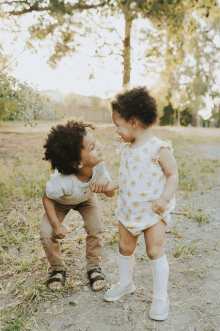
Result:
x=127 y=47
x=178 y=117
x=219 y=116
x=194 y=119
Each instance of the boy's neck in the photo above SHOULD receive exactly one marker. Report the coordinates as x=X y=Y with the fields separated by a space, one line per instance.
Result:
x=85 y=174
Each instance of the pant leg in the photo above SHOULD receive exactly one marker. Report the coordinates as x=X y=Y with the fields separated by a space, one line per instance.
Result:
x=51 y=245
x=90 y=213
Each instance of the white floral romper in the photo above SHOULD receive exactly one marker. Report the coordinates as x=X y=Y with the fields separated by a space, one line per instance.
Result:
x=141 y=180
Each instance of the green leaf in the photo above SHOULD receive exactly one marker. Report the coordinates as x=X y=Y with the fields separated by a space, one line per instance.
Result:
x=72 y=303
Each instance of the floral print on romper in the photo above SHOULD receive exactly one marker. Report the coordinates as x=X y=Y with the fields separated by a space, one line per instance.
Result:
x=142 y=179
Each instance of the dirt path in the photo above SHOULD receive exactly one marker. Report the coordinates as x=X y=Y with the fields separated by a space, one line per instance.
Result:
x=194 y=282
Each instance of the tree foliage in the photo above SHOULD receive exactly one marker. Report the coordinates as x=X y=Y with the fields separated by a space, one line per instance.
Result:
x=17 y=100
x=63 y=22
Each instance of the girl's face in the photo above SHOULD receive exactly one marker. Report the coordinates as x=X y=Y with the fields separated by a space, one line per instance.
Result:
x=123 y=128
x=91 y=155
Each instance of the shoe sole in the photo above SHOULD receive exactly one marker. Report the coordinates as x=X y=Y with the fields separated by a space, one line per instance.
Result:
x=156 y=318
x=120 y=296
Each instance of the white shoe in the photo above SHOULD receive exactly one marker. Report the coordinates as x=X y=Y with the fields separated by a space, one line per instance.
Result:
x=118 y=291
x=159 y=309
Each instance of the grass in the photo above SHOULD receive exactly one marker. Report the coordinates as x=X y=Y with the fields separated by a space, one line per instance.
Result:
x=215 y=246
x=186 y=249
x=23 y=175
x=114 y=239
x=196 y=214
x=195 y=174
x=199 y=217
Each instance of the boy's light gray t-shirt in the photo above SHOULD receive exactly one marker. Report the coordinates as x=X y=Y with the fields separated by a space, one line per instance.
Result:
x=68 y=189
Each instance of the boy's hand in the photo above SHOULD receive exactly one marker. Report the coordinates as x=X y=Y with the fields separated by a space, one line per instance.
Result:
x=100 y=185
x=159 y=206
x=59 y=232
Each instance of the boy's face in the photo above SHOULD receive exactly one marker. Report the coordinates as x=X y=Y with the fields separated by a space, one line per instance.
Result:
x=123 y=128
x=91 y=155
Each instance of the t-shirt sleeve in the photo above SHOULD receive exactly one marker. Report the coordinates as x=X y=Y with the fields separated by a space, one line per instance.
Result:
x=54 y=188
x=103 y=171
x=161 y=144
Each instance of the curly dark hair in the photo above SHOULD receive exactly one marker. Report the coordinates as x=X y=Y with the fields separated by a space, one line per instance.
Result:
x=137 y=103
x=64 y=144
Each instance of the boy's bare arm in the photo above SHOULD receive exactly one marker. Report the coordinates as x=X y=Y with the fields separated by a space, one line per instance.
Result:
x=50 y=210
x=59 y=230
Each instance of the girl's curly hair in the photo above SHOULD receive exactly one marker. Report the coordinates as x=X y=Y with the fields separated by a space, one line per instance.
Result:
x=137 y=103
x=64 y=144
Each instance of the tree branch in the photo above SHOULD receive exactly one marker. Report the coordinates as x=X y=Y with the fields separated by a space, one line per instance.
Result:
x=14 y=58
x=52 y=9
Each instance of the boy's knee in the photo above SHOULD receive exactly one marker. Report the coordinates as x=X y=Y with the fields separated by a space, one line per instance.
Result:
x=94 y=232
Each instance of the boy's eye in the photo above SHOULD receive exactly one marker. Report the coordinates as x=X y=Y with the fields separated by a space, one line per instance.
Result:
x=93 y=145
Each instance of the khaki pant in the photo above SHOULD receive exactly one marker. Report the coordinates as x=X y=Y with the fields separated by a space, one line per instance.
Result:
x=90 y=213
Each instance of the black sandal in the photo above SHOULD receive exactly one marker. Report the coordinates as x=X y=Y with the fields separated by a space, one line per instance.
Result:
x=52 y=279
x=101 y=276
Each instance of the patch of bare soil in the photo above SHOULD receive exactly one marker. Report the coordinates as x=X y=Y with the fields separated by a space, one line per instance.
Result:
x=194 y=281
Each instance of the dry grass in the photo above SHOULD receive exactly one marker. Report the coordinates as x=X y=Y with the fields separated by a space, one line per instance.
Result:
x=23 y=174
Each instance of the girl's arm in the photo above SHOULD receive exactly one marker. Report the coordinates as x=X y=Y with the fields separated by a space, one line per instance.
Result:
x=168 y=163
x=108 y=189
x=112 y=186
x=59 y=230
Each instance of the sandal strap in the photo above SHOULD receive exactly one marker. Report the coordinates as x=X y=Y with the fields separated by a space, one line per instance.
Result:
x=55 y=272
x=55 y=279
x=93 y=280
x=96 y=270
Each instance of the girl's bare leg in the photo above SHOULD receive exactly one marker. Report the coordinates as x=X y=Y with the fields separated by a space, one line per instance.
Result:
x=154 y=239
x=127 y=242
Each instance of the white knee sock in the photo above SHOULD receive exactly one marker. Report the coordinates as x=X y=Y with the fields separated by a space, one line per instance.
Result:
x=160 y=273
x=126 y=264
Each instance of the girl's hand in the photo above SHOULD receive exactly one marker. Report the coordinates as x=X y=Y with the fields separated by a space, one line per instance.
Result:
x=100 y=185
x=159 y=206
x=59 y=232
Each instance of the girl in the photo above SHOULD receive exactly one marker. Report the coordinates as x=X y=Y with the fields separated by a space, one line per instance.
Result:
x=148 y=178
x=78 y=160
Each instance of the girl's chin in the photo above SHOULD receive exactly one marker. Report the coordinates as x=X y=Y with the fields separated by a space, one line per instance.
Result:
x=102 y=157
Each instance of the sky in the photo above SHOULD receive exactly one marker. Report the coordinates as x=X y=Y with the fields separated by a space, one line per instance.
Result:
x=72 y=73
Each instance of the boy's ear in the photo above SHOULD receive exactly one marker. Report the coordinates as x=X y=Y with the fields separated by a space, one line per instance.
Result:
x=76 y=165
x=133 y=121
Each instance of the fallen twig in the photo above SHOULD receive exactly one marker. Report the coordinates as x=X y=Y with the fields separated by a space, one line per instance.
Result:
x=186 y=213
